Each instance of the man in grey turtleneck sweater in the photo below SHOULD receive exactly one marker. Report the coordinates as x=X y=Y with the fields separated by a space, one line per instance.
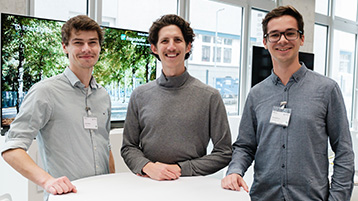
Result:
x=170 y=121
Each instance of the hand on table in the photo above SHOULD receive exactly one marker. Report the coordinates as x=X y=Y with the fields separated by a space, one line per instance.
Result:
x=161 y=171
x=59 y=186
x=234 y=182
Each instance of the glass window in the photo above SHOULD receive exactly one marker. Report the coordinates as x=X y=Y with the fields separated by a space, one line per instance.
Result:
x=227 y=41
x=346 y=9
x=225 y=30
x=205 y=53
x=322 y=7
x=320 y=48
x=135 y=14
x=64 y=9
x=218 y=54
x=207 y=39
x=256 y=37
x=227 y=55
x=342 y=65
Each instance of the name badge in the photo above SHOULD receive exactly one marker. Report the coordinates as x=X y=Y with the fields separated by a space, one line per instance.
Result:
x=90 y=122
x=280 y=116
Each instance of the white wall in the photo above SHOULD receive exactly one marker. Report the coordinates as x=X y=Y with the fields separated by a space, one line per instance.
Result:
x=13 y=6
x=116 y=138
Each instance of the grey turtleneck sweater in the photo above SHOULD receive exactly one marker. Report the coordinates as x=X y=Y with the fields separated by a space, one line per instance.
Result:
x=171 y=120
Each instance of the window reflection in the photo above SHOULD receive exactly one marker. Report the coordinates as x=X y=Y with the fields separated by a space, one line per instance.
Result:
x=256 y=27
x=342 y=68
x=216 y=49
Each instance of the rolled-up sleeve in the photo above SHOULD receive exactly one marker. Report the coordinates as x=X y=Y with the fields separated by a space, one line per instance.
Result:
x=34 y=112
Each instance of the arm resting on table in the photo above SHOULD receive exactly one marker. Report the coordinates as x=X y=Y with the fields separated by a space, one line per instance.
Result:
x=22 y=162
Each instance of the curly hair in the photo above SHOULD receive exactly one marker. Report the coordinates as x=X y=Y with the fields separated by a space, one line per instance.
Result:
x=167 y=20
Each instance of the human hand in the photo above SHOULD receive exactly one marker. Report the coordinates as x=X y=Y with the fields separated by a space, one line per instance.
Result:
x=59 y=186
x=234 y=182
x=161 y=171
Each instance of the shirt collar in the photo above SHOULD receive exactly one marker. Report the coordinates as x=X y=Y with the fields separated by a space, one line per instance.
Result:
x=297 y=76
x=75 y=82
x=173 y=82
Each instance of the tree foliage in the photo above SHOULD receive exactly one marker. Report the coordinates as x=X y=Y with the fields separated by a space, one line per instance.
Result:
x=34 y=45
x=122 y=57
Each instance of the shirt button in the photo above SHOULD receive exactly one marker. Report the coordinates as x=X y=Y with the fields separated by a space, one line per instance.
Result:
x=284 y=127
x=283 y=166
x=283 y=146
x=285 y=89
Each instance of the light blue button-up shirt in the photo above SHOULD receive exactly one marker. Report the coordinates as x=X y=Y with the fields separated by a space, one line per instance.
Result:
x=291 y=162
x=53 y=111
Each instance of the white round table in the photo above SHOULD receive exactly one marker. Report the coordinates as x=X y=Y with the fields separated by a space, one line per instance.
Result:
x=127 y=186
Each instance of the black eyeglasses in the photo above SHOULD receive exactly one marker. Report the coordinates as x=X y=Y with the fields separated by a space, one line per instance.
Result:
x=290 y=35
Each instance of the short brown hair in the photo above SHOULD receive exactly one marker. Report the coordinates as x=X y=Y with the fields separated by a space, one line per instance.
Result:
x=167 y=20
x=281 y=11
x=80 y=23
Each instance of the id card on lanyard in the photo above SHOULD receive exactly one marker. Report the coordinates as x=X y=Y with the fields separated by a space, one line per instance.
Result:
x=90 y=122
x=280 y=115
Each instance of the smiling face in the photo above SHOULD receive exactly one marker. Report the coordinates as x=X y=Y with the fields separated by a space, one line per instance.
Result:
x=83 y=50
x=171 y=48
x=283 y=52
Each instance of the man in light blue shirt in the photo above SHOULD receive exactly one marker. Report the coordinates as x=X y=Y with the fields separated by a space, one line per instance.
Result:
x=69 y=114
x=287 y=122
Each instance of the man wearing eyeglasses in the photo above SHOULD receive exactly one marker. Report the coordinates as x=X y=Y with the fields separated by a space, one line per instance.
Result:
x=286 y=124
